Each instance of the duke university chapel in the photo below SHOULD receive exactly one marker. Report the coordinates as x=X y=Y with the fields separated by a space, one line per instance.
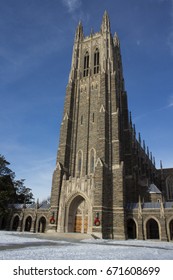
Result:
x=105 y=182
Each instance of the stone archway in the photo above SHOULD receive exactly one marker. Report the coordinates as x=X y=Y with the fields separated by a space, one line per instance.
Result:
x=42 y=224
x=78 y=215
x=15 y=223
x=152 y=229
x=28 y=223
x=131 y=229
x=171 y=229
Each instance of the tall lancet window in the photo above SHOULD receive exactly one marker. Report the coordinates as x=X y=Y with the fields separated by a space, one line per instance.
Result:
x=86 y=65
x=79 y=163
x=92 y=161
x=169 y=187
x=96 y=61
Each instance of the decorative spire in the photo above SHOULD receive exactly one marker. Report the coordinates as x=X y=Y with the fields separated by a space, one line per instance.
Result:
x=105 y=23
x=139 y=138
x=79 y=32
x=116 y=40
x=161 y=165
x=134 y=135
x=134 y=130
x=162 y=210
x=144 y=147
x=37 y=203
x=130 y=117
x=151 y=157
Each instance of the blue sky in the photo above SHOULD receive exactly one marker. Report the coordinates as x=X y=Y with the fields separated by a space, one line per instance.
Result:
x=36 y=40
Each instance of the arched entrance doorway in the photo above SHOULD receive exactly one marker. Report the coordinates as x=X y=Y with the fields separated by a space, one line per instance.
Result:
x=171 y=229
x=131 y=229
x=15 y=223
x=152 y=229
x=42 y=225
x=78 y=215
x=28 y=223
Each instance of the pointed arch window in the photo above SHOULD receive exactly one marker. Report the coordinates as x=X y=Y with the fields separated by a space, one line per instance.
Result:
x=169 y=187
x=92 y=161
x=96 y=61
x=86 y=65
x=93 y=117
x=79 y=163
x=92 y=164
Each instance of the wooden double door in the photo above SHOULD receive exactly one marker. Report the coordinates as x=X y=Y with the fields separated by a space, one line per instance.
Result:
x=81 y=223
x=78 y=215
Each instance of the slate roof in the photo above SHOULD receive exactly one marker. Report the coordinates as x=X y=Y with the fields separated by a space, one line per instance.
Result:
x=168 y=204
x=153 y=189
x=150 y=205
x=44 y=205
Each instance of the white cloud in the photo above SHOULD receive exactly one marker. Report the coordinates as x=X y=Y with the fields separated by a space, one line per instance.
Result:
x=72 y=5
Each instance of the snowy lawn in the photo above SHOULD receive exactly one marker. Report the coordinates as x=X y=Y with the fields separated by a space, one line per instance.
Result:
x=88 y=249
x=7 y=238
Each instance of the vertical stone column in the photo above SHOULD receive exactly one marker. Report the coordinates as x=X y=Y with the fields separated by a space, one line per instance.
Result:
x=23 y=223
x=163 y=233
x=97 y=228
x=140 y=234
x=33 y=224
x=119 y=228
x=20 y=227
x=55 y=196
x=62 y=225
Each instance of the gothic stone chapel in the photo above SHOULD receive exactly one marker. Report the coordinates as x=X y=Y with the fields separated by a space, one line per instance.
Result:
x=105 y=182
x=103 y=174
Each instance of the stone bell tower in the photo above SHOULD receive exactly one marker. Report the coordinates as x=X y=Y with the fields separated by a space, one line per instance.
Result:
x=88 y=182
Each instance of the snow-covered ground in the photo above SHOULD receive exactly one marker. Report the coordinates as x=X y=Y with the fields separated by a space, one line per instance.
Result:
x=15 y=246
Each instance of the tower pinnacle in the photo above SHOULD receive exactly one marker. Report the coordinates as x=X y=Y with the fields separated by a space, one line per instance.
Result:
x=79 y=31
x=105 y=23
x=116 y=40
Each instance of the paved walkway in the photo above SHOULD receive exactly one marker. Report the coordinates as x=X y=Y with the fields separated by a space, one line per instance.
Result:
x=70 y=236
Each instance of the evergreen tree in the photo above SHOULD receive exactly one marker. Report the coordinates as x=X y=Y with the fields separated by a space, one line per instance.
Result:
x=7 y=191
x=23 y=193
x=11 y=190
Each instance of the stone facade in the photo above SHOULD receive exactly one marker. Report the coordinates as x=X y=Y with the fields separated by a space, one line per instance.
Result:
x=105 y=179
x=100 y=163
